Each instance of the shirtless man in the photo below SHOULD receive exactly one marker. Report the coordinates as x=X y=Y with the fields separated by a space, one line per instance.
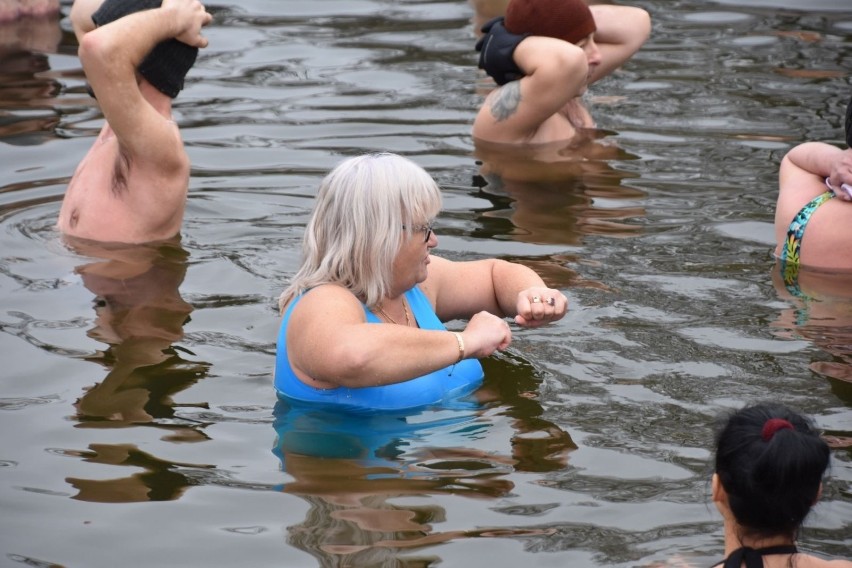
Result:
x=131 y=187
x=544 y=54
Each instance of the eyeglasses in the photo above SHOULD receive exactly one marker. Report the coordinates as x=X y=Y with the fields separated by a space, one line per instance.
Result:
x=425 y=228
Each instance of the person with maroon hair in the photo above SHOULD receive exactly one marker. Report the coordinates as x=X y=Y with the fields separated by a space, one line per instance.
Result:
x=543 y=55
x=770 y=463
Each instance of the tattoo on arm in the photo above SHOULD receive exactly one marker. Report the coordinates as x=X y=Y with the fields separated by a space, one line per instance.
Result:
x=506 y=101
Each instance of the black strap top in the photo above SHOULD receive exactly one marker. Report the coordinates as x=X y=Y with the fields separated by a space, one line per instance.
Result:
x=753 y=558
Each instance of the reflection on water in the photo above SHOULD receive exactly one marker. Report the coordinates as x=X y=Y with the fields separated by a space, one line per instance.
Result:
x=821 y=312
x=552 y=193
x=140 y=315
x=356 y=471
x=24 y=45
x=160 y=481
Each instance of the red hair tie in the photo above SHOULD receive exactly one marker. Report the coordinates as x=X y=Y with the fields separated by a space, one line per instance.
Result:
x=773 y=425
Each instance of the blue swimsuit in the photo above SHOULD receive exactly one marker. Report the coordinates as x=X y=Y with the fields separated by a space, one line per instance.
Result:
x=438 y=386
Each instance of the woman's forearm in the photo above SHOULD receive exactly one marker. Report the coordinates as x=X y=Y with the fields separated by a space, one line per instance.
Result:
x=510 y=279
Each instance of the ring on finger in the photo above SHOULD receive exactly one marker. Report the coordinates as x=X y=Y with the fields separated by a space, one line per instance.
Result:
x=551 y=301
x=536 y=300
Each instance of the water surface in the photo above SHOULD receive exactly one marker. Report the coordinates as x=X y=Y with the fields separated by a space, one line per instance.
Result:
x=139 y=422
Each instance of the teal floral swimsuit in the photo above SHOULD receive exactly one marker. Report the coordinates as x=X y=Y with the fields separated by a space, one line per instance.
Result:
x=793 y=243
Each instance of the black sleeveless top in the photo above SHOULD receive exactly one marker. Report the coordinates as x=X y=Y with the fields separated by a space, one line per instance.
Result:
x=753 y=558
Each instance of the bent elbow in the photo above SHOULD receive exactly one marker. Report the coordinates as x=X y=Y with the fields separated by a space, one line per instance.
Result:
x=93 y=51
x=641 y=26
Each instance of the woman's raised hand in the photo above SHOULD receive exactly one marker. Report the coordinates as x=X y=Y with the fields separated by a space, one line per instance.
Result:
x=540 y=306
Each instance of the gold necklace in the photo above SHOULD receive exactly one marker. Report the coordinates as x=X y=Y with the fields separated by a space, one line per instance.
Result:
x=390 y=319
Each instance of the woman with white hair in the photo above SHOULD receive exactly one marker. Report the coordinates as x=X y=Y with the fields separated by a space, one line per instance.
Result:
x=362 y=318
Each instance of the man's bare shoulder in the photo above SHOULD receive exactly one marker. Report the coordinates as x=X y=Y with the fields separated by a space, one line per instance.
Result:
x=116 y=196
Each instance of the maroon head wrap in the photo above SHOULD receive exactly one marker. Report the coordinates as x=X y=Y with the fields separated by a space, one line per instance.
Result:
x=568 y=20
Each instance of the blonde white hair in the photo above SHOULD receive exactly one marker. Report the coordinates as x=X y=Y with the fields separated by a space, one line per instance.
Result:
x=355 y=230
